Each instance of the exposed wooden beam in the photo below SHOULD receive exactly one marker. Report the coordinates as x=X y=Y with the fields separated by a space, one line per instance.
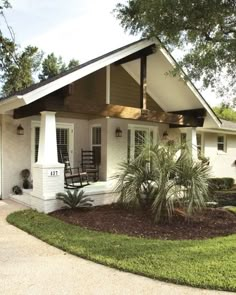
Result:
x=48 y=103
x=59 y=105
x=143 y=82
x=198 y=114
x=124 y=112
x=143 y=52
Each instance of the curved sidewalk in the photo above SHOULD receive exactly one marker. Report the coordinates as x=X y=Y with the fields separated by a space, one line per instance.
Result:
x=29 y=266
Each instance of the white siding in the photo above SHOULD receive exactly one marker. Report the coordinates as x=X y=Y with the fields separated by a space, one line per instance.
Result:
x=222 y=163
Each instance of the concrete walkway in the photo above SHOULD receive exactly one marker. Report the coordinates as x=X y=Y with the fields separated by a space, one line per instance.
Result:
x=29 y=266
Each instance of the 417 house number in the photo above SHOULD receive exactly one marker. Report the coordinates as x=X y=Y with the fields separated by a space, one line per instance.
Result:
x=53 y=172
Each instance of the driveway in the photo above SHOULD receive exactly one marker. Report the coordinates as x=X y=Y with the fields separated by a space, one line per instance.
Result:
x=29 y=266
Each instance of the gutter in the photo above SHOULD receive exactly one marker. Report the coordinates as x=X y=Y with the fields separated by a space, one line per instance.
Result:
x=219 y=131
x=11 y=103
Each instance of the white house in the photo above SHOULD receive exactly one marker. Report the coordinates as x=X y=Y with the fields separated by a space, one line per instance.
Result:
x=127 y=89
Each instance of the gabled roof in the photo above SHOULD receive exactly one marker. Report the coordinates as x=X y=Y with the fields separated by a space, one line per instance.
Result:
x=67 y=72
x=39 y=90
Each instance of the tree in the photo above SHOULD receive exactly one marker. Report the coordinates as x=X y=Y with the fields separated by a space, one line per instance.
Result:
x=204 y=29
x=164 y=179
x=16 y=66
x=18 y=69
x=52 y=66
x=225 y=111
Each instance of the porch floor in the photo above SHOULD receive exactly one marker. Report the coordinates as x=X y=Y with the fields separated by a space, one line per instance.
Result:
x=101 y=192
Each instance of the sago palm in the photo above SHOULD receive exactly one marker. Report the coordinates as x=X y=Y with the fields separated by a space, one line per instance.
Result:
x=75 y=198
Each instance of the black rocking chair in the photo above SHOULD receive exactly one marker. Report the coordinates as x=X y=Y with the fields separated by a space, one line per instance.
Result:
x=89 y=164
x=74 y=178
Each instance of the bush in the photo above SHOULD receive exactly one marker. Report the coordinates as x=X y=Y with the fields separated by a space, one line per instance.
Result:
x=220 y=183
x=224 y=198
x=228 y=182
x=75 y=199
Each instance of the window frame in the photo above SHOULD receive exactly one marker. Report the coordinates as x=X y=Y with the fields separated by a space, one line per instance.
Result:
x=132 y=128
x=224 y=150
x=201 y=144
x=59 y=125
x=91 y=139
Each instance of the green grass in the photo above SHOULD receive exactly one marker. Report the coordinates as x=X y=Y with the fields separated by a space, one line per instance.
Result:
x=231 y=209
x=203 y=263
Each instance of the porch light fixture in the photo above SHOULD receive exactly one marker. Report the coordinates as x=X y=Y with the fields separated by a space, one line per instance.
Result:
x=165 y=135
x=20 y=130
x=118 y=132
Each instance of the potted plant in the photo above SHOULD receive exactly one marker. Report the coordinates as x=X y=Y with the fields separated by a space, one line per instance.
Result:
x=25 y=174
x=16 y=190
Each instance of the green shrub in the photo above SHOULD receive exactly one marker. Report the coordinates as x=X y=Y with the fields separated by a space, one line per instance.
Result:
x=228 y=182
x=74 y=199
x=224 y=198
x=216 y=184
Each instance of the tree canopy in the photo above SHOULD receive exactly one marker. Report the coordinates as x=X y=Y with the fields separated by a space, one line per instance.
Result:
x=17 y=66
x=205 y=30
x=53 y=65
x=226 y=111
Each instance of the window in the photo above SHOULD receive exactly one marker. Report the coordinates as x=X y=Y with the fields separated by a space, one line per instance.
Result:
x=62 y=142
x=199 y=144
x=129 y=145
x=137 y=137
x=64 y=134
x=221 y=143
x=183 y=138
x=36 y=143
x=140 y=137
x=97 y=142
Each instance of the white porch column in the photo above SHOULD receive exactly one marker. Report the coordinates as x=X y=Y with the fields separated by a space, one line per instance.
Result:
x=191 y=140
x=48 y=174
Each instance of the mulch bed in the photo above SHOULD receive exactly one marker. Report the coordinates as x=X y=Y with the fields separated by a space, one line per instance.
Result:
x=114 y=219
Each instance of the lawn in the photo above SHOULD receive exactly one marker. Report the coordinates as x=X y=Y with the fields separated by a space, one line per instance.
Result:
x=201 y=263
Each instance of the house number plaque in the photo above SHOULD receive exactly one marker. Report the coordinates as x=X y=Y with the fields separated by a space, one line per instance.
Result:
x=53 y=172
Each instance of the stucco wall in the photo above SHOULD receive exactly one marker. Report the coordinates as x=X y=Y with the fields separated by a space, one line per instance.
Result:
x=117 y=146
x=15 y=152
x=222 y=163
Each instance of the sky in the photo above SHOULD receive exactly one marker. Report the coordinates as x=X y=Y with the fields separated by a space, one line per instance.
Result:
x=79 y=29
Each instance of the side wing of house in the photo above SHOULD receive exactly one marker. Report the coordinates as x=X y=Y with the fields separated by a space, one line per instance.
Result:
x=219 y=146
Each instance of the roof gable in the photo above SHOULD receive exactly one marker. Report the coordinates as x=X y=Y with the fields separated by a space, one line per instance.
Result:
x=46 y=87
